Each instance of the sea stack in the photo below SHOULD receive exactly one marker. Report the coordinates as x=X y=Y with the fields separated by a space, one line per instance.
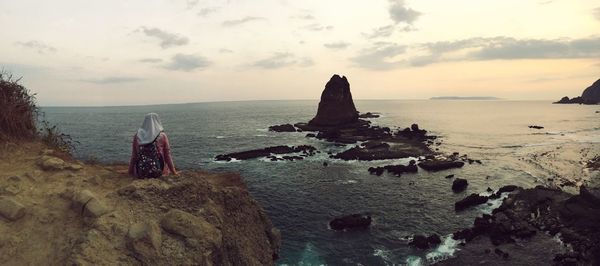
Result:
x=591 y=95
x=336 y=106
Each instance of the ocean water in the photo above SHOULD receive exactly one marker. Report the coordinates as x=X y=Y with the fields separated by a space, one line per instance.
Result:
x=301 y=197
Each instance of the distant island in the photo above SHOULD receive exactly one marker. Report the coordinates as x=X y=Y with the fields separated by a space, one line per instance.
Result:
x=479 y=98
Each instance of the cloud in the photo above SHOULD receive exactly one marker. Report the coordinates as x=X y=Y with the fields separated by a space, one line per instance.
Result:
x=183 y=62
x=597 y=13
x=167 y=39
x=281 y=60
x=380 y=56
x=236 y=22
x=385 y=31
x=402 y=14
x=150 y=60
x=112 y=80
x=337 y=45
x=40 y=47
x=317 y=27
x=304 y=17
x=207 y=11
x=225 y=51
x=191 y=4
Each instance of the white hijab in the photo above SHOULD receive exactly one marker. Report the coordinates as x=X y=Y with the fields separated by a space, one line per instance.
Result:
x=150 y=129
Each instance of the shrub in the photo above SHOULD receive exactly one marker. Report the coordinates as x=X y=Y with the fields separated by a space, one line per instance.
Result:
x=20 y=116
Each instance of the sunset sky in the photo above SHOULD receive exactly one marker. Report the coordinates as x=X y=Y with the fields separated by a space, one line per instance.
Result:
x=116 y=52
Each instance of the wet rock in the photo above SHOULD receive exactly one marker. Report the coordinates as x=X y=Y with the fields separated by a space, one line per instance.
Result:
x=252 y=154
x=353 y=221
x=368 y=115
x=469 y=201
x=336 y=106
x=439 y=165
x=450 y=176
x=536 y=127
x=11 y=209
x=425 y=242
x=283 y=128
x=190 y=226
x=591 y=195
x=50 y=163
x=459 y=185
x=381 y=151
x=144 y=239
x=397 y=170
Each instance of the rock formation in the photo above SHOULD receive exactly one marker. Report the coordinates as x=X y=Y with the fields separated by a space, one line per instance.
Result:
x=55 y=214
x=591 y=95
x=336 y=106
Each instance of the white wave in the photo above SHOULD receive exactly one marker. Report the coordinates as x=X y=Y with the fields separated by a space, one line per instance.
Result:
x=444 y=251
x=220 y=137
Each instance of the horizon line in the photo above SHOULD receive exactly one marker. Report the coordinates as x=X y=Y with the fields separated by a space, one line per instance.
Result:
x=266 y=100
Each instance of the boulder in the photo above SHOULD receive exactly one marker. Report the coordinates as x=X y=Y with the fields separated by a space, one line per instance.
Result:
x=336 y=106
x=11 y=209
x=425 y=242
x=459 y=185
x=353 y=221
x=368 y=115
x=439 y=165
x=469 y=201
x=591 y=195
x=397 y=170
x=283 y=128
x=50 y=163
x=144 y=239
x=88 y=204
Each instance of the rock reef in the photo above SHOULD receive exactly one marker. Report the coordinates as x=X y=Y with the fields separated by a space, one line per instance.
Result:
x=336 y=106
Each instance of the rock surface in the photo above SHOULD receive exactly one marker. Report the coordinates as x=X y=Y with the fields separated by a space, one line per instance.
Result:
x=439 y=165
x=196 y=218
x=526 y=217
x=336 y=106
x=11 y=209
x=283 y=128
x=305 y=150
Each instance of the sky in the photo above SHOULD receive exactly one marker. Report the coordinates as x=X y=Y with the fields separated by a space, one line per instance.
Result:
x=118 y=52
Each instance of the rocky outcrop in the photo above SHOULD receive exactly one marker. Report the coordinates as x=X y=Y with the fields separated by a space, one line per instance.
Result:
x=524 y=221
x=336 y=106
x=425 y=242
x=459 y=185
x=396 y=170
x=590 y=95
x=283 y=128
x=435 y=165
x=100 y=216
x=304 y=150
x=353 y=221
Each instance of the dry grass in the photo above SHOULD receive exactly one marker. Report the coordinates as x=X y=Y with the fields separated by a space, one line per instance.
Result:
x=20 y=116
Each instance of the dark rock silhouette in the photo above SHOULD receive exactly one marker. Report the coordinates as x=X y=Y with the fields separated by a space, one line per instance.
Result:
x=469 y=201
x=459 y=185
x=336 y=106
x=283 y=128
x=537 y=214
x=397 y=170
x=439 y=165
x=305 y=151
x=591 y=95
x=353 y=221
x=425 y=242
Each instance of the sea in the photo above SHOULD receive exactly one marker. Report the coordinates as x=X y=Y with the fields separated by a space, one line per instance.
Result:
x=301 y=197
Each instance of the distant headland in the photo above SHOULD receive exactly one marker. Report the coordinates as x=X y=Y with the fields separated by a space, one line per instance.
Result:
x=591 y=95
x=476 y=98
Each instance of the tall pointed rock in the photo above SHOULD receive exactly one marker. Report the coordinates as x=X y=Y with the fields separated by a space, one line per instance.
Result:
x=336 y=106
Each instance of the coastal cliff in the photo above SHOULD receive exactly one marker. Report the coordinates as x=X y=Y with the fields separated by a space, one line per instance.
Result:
x=591 y=95
x=55 y=211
